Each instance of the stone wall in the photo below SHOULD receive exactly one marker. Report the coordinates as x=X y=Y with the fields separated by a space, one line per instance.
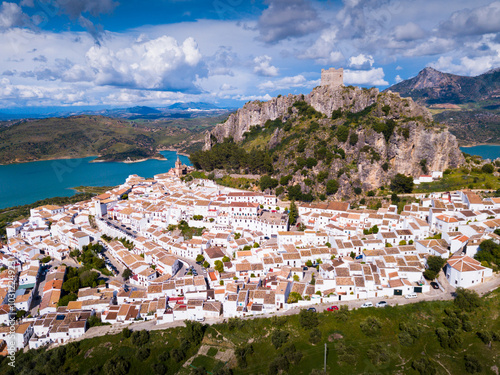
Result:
x=332 y=77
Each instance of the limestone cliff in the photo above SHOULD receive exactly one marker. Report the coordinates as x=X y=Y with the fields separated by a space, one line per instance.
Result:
x=361 y=137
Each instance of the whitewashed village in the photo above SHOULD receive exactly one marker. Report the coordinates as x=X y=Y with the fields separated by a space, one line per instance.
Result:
x=239 y=258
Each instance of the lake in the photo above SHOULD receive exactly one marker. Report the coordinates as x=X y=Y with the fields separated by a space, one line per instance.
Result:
x=28 y=182
x=485 y=151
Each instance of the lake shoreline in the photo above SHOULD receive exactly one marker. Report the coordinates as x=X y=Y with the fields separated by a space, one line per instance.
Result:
x=32 y=181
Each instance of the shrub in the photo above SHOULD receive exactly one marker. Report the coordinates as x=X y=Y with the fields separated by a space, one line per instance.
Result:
x=311 y=162
x=278 y=338
x=140 y=338
x=472 y=364
x=402 y=184
x=353 y=139
x=142 y=354
x=488 y=168
x=467 y=300
x=370 y=326
x=308 y=319
x=332 y=186
x=126 y=333
x=315 y=336
x=424 y=366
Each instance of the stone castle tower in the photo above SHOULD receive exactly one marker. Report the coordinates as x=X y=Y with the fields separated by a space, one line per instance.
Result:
x=332 y=77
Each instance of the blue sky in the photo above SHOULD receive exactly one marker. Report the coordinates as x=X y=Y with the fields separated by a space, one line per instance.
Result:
x=158 y=52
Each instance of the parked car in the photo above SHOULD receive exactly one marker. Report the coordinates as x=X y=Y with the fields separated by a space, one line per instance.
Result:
x=311 y=309
x=382 y=304
x=305 y=268
x=359 y=257
x=332 y=308
x=200 y=319
x=434 y=285
x=367 y=304
x=411 y=295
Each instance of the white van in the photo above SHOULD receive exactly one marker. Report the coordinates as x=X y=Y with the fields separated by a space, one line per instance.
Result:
x=411 y=295
x=367 y=304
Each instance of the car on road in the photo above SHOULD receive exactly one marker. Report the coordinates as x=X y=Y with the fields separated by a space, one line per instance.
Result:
x=382 y=304
x=359 y=257
x=332 y=308
x=312 y=309
x=305 y=268
x=411 y=295
x=367 y=304
x=434 y=285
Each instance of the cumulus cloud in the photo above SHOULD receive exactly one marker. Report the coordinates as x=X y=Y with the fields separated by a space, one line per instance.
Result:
x=431 y=46
x=11 y=15
x=373 y=77
x=287 y=83
x=324 y=49
x=160 y=64
x=285 y=19
x=361 y=61
x=481 y=20
x=398 y=78
x=263 y=66
x=410 y=31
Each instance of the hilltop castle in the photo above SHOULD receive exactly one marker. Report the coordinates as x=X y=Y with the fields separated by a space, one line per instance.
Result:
x=332 y=77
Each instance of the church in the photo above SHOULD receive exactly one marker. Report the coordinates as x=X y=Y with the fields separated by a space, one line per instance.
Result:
x=180 y=169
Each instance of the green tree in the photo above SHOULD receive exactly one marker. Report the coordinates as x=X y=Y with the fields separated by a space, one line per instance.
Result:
x=308 y=319
x=267 y=182
x=278 y=338
x=225 y=259
x=293 y=213
x=127 y=273
x=72 y=285
x=402 y=184
x=200 y=258
x=467 y=300
x=206 y=264
x=488 y=168
x=332 y=186
x=219 y=266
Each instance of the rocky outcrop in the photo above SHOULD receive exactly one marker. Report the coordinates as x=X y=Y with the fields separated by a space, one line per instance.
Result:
x=371 y=156
x=323 y=99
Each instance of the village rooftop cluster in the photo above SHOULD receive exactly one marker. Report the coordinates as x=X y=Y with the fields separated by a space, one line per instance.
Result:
x=247 y=259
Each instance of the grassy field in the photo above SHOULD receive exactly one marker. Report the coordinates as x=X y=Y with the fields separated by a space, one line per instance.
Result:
x=92 y=189
x=394 y=340
x=457 y=179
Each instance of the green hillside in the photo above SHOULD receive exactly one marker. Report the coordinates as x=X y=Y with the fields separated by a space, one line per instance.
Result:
x=307 y=155
x=441 y=337
x=81 y=136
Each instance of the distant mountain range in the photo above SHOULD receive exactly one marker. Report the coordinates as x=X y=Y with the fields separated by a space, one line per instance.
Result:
x=176 y=110
x=431 y=86
x=470 y=106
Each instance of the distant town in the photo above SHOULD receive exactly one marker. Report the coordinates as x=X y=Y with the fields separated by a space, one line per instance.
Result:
x=171 y=249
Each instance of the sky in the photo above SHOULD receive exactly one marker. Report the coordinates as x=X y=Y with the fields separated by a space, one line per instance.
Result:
x=91 y=53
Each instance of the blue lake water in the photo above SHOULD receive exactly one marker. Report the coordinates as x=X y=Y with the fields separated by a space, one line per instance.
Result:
x=485 y=151
x=28 y=182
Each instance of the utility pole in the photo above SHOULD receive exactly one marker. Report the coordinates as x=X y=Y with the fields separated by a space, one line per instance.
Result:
x=324 y=368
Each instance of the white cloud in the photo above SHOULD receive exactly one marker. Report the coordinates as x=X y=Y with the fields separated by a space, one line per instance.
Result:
x=408 y=32
x=373 y=77
x=252 y=97
x=11 y=15
x=361 y=61
x=481 y=20
x=324 y=50
x=263 y=66
x=432 y=46
x=398 y=78
x=399 y=67
x=285 y=19
x=160 y=64
x=284 y=83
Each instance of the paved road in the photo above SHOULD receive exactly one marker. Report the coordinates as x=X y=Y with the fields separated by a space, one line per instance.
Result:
x=432 y=295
